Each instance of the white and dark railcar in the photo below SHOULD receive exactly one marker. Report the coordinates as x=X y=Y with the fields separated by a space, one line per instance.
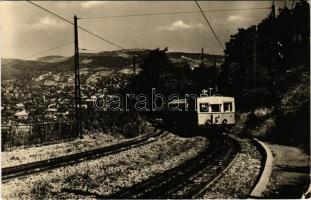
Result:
x=215 y=110
x=204 y=111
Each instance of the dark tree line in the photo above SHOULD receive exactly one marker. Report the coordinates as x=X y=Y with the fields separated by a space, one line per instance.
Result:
x=261 y=60
x=280 y=77
x=159 y=72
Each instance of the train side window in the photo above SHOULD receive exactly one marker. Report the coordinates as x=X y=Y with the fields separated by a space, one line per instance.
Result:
x=204 y=107
x=227 y=107
x=216 y=107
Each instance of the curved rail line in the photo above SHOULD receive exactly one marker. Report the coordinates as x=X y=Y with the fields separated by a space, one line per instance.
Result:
x=185 y=180
x=262 y=177
x=203 y=190
x=9 y=173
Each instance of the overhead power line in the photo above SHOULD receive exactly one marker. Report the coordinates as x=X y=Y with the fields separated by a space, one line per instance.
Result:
x=42 y=52
x=100 y=37
x=48 y=50
x=210 y=25
x=92 y=50
x=171 y=13
x=82 y=28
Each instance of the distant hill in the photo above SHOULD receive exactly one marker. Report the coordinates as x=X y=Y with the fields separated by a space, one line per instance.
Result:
x=16 y=68
x=23 y=69
x=56 y=58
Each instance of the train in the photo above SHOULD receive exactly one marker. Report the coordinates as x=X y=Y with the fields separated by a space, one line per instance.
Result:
x=205 y=111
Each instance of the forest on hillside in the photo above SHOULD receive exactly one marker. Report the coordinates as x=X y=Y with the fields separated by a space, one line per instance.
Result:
x=265 y=60
x=268 y=65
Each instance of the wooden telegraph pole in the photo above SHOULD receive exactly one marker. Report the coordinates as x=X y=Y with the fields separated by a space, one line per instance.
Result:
x=134 y=64
x=202 y=57
x=254 y=56
x=77 y=80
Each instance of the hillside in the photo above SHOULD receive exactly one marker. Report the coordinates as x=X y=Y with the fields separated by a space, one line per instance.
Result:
x=21 y=69
x=51 y=58
x=16 y=68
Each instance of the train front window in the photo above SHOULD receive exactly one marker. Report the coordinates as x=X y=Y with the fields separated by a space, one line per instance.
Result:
x=227 y=107
x=204 y=107
x=216 y=107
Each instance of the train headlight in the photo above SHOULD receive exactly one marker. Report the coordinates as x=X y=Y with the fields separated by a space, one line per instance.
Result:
x=208 y=122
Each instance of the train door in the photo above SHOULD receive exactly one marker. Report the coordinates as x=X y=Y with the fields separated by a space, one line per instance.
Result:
x=228 y=114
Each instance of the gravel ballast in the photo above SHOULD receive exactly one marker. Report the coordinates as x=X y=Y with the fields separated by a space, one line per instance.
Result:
x=109 y=174
x=241 y=177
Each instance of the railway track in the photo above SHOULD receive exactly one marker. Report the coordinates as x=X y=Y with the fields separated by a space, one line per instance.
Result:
x=188 y=180
x=9 y=173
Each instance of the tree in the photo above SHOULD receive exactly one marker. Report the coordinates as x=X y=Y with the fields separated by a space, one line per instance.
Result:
x=160 y=73
x=282 y=45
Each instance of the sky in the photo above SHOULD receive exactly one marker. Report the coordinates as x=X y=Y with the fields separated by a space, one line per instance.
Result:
x=27 y=30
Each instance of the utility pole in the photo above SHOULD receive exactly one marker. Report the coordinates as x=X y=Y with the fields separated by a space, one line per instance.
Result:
x=77 y=79
x=293 y=3
x=202 y=57
x=274 y=74
x=215 y=62
x=254 y=56
x=210 y=91
x=134 y=64
x=273 y=10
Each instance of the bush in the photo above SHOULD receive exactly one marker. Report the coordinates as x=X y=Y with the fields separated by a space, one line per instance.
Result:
x=262 y=130
x=293 y=119
x=135 y=128
x=41 y=190
x=294 y=127
x=254 y=98
x=259 y=123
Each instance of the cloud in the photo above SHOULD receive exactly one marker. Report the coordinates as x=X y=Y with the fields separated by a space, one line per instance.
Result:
x=235 y=18
x=180 y=25
x=89 y=4
x=46 y=23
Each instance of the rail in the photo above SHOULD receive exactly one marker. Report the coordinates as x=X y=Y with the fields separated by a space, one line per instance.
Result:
x=9 y=173
x=173 y=183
